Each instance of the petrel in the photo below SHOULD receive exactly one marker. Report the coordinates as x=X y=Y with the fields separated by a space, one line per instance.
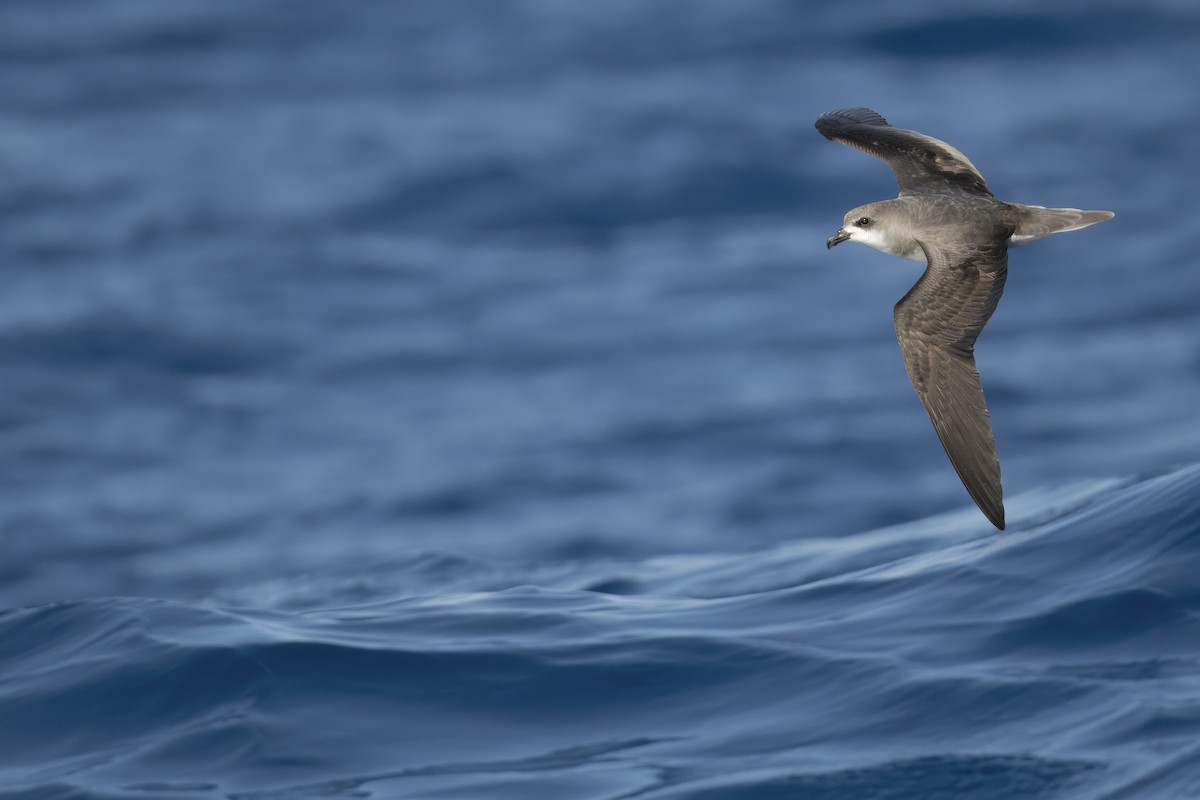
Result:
x=947 y=217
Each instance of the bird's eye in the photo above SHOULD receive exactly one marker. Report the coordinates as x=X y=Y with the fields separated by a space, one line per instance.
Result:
x=864 y=222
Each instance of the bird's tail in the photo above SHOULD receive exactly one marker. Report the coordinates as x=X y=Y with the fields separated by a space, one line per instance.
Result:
x=1037 y=222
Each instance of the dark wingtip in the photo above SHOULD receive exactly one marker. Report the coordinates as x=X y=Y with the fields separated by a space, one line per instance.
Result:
x=990 y=502
x=831 y=122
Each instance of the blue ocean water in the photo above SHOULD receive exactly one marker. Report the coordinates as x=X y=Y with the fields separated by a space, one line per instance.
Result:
x=455 y=399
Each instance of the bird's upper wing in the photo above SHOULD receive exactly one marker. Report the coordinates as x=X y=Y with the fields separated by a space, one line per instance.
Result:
x=937 y=323
x=922 y=164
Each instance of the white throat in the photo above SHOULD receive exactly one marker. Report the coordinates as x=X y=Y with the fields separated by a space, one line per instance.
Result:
x=878 y=239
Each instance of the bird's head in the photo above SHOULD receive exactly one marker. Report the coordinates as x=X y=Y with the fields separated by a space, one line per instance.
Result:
x=885 y=226
x=864 y=224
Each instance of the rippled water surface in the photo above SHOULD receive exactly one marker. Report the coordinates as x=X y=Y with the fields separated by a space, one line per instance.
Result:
x=457 y=400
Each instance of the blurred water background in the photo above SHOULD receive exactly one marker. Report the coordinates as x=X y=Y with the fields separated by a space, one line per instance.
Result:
x=455 y=399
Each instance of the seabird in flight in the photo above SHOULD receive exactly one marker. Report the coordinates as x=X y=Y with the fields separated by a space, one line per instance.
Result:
x=947 y=217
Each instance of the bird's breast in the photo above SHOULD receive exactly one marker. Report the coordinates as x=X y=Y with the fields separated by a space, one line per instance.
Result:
x=900 y=246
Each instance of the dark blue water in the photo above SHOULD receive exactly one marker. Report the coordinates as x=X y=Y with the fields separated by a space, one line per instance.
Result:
x=455 y=399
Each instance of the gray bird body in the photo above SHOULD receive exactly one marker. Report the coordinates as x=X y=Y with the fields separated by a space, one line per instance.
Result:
x=946 y=216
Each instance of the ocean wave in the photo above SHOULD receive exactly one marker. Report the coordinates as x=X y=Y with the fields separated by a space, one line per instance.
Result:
x=930 y=659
